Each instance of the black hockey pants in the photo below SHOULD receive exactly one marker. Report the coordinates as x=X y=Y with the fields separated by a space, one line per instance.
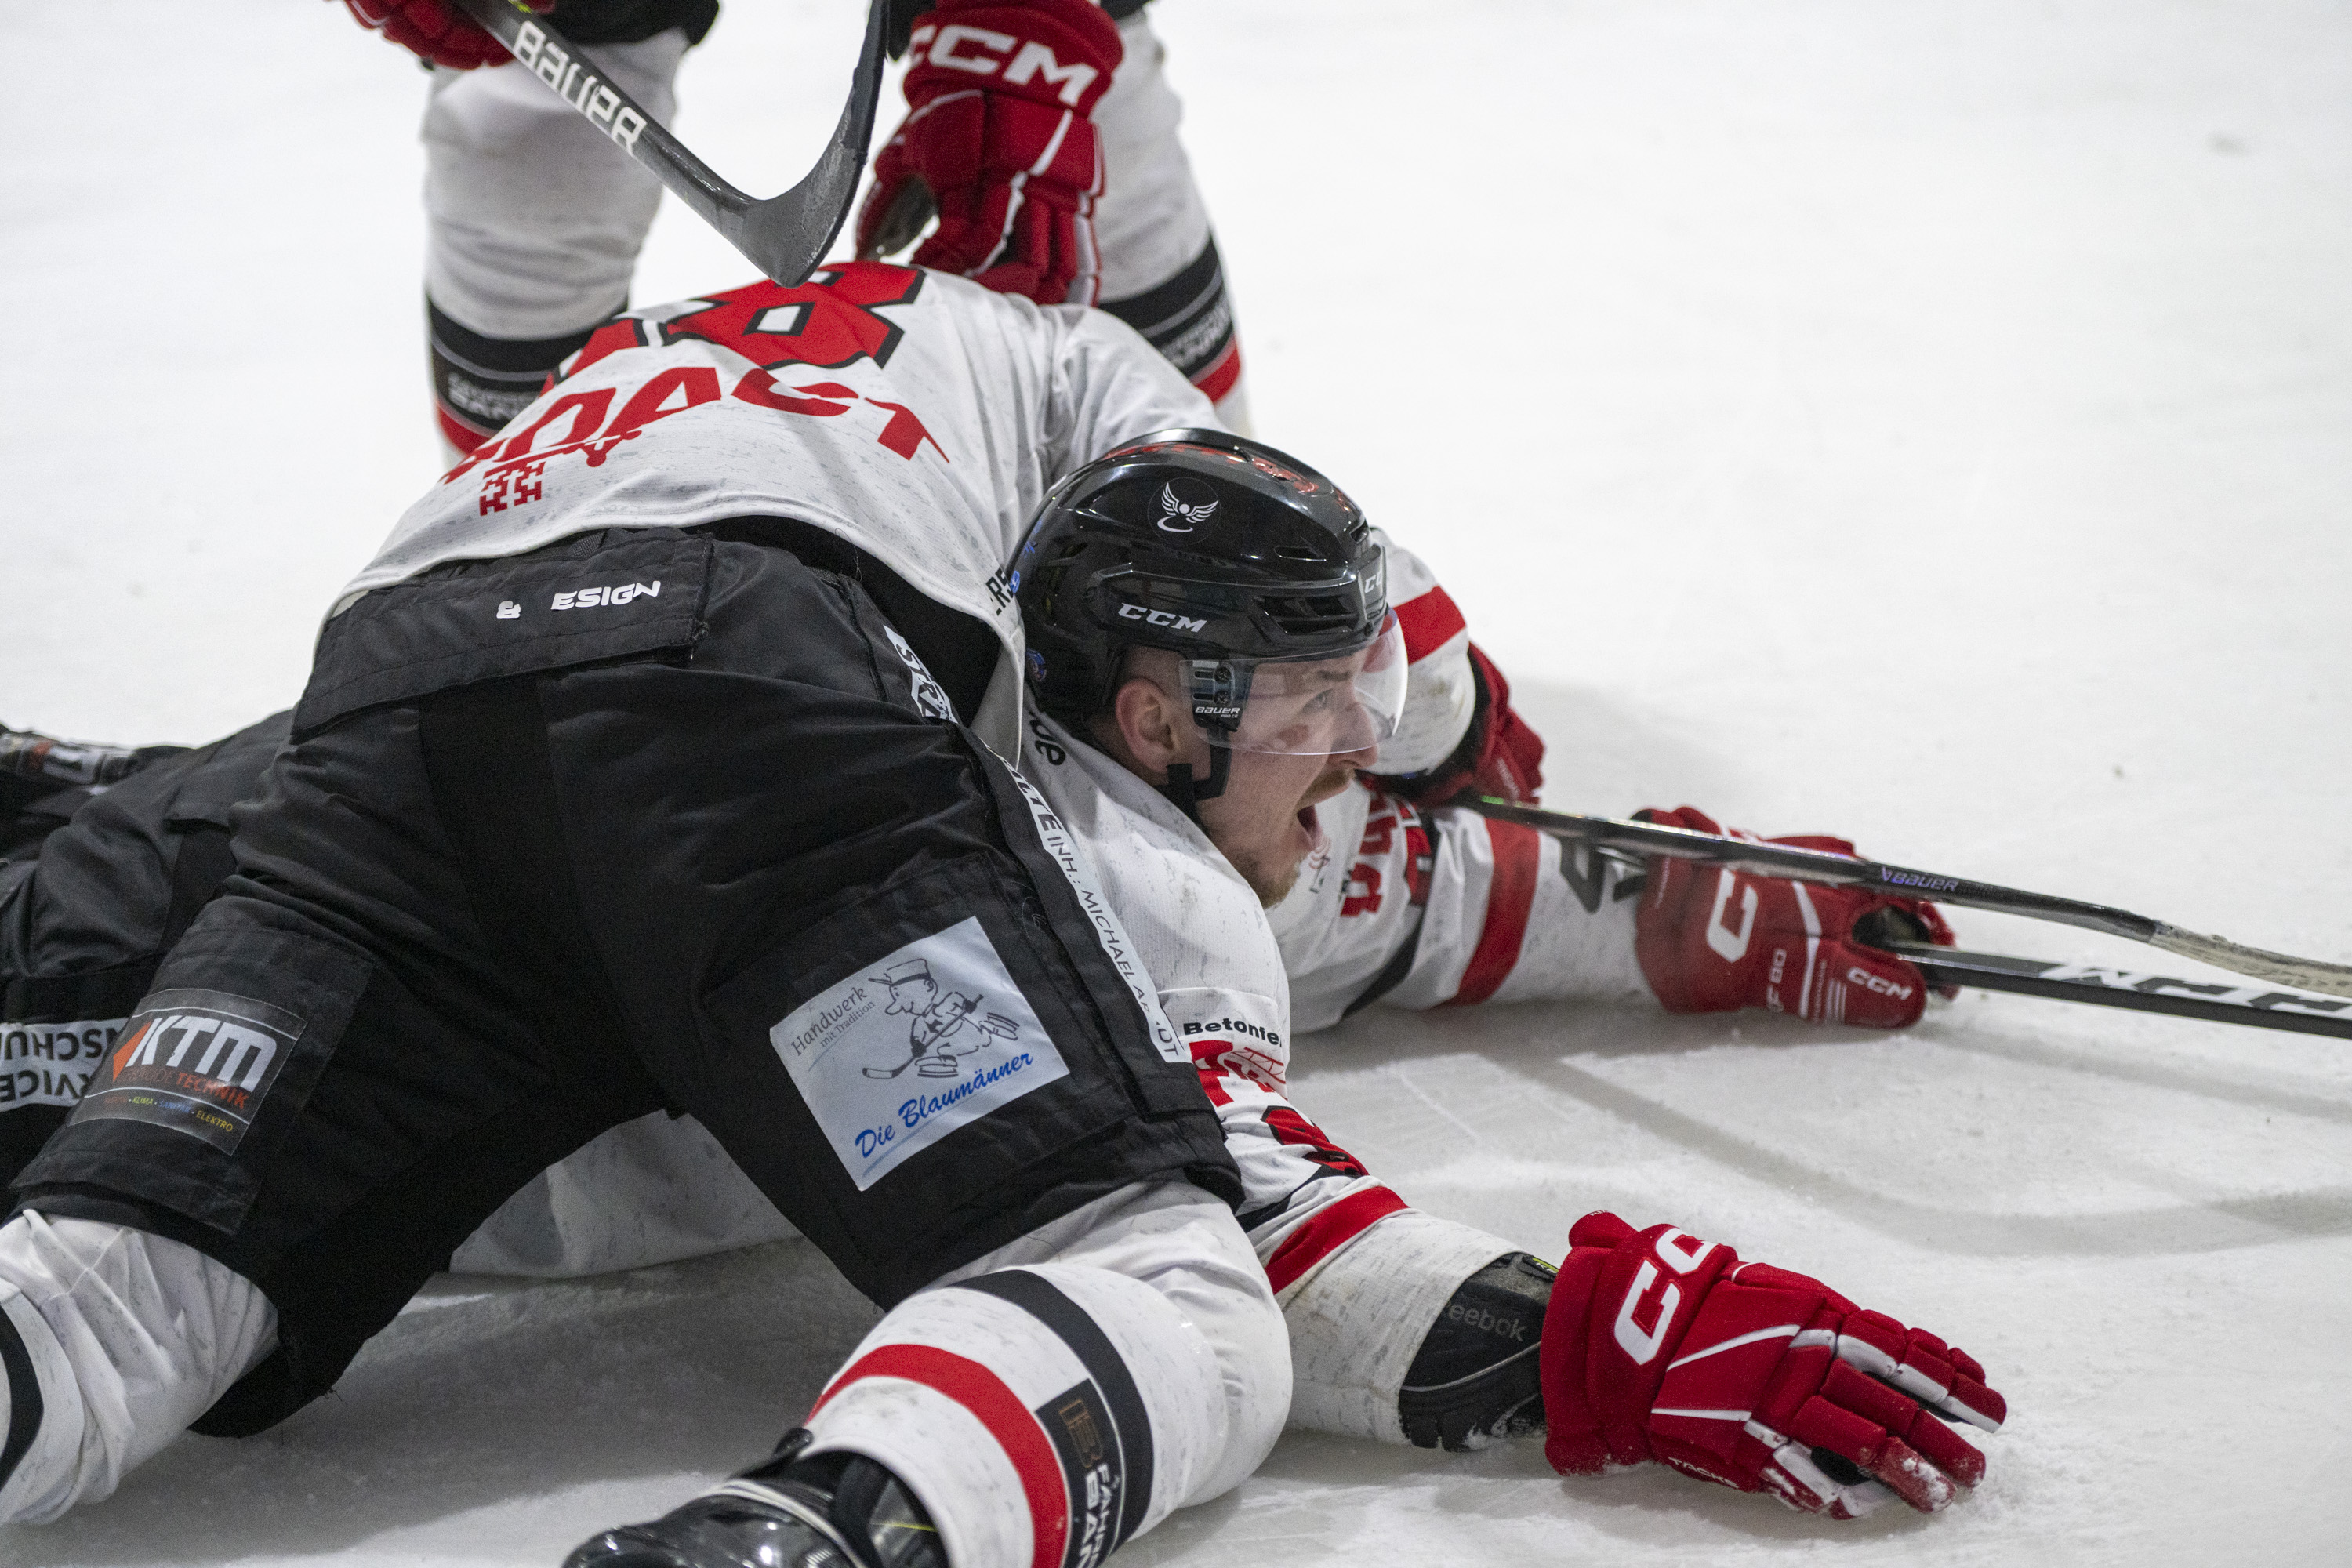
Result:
x=95 y=886
x=527 y=872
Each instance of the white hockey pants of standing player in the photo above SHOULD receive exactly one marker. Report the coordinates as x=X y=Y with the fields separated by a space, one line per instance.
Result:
x=127 y=1337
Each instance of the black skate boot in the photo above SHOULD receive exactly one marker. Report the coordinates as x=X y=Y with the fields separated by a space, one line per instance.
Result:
x=837 y=1510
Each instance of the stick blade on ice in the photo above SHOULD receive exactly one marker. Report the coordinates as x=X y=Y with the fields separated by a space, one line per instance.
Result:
x=2279 y=968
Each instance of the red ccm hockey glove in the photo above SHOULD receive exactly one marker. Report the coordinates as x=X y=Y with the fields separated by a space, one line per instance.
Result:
x=1658 y=1345
x=1510 y=754
x=433 y=31
x=1712 y=939
x=999 y=142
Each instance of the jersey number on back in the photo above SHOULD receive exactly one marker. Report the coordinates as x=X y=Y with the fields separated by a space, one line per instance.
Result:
x=826 y=324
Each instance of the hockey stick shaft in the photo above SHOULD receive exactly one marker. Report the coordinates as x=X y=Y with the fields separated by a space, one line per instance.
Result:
x=2105 y=987
x=1849 y=871
x=784 y=236
x=24 y=755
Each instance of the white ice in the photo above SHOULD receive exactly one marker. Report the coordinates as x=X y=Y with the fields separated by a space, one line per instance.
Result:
x=1931 y=422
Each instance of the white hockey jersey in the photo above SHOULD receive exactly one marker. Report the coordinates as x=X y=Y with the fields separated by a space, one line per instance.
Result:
x=918 y=416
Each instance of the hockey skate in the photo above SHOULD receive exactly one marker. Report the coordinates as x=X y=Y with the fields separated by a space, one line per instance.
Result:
x=834 y=1512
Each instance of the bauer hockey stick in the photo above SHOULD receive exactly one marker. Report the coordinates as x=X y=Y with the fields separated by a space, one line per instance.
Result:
x=2105 y=987
x=1849 y=871
x=784 y=236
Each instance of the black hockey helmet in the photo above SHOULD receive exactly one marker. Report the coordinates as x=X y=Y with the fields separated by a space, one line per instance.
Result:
x=1237 y=557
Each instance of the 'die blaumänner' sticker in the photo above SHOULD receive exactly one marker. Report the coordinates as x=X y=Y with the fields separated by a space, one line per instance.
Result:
x=894 y=1058
x=198 y=1062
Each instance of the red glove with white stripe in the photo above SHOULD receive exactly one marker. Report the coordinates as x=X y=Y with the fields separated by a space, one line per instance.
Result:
x=1658 y=1345
x=999 y=142
x=433 y=30
x=1712 y=939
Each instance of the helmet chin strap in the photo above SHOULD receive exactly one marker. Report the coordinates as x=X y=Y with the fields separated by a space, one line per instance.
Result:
x=1218 y=688
x=1187 y=795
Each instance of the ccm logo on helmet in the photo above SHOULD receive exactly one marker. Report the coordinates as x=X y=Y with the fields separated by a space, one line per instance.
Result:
x=1161 y=618
x=1680 y=1253
x=967 y=48
x=1878 y=983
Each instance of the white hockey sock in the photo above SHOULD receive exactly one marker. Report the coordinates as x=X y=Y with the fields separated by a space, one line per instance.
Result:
x=1357 y=1320
x=1042 y=1413
x=1149 y=220
x=534 y=217
x=1161 y=272
x=129 y=1337
x=533 y=221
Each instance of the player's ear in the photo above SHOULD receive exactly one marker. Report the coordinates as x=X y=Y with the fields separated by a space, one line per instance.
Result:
x=1145 y=717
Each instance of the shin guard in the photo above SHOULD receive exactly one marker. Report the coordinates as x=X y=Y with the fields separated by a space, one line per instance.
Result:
x=1041 y=1416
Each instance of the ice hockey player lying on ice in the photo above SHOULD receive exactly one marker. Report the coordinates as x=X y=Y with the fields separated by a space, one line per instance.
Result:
x=572 y=881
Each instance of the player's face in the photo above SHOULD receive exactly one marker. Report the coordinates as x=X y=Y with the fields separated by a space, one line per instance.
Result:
x=1264 y=820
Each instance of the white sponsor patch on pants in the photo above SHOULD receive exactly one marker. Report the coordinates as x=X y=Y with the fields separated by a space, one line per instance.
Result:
x=52 y=1064
x=933 y=1036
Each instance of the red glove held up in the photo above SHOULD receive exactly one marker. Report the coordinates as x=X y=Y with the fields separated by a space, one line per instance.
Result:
x=433 y=30
x=1500 y=755
x=1658 y=1345
x=1712 y=939
x=999 y=142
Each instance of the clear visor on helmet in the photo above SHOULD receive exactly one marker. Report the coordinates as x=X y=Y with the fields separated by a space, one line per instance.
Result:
x=1306 y=707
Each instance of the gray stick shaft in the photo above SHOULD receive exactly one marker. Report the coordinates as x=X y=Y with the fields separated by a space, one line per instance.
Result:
x=1849 y=871
x=784 y=236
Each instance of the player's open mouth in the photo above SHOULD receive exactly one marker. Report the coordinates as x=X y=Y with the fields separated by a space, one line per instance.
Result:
x=1312 y=825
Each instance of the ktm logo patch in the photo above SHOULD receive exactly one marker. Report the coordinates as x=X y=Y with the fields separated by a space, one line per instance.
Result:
x=196 y=1062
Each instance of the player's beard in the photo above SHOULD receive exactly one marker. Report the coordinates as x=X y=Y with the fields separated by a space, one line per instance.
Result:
x=1272 y=876
x=1271 y=890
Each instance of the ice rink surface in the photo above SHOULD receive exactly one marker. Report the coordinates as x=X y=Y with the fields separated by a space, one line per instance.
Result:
x=1924 y=421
